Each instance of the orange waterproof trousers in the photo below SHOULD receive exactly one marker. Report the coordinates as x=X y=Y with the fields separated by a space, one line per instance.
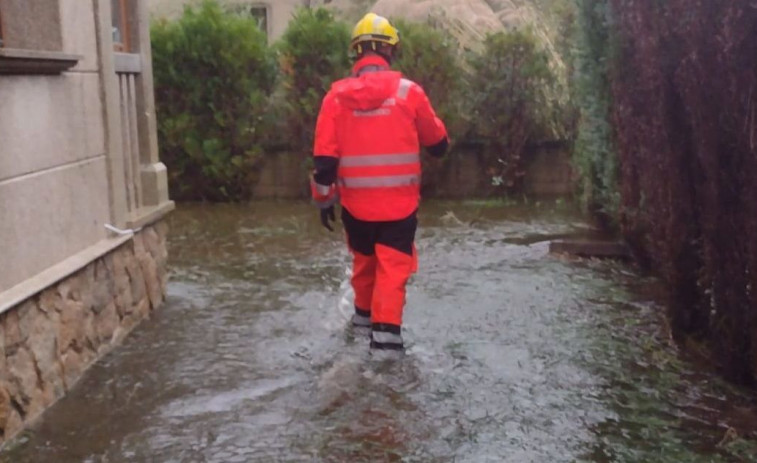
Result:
x=384 y=257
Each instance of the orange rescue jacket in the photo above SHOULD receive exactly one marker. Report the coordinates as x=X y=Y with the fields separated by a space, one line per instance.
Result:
x=374 y=123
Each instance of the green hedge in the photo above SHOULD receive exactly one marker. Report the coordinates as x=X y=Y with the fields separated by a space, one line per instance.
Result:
x=429 y=58
x=213 y=72
x=225 y=96
x=313 y=54
x=595 y=154
x=508 y=108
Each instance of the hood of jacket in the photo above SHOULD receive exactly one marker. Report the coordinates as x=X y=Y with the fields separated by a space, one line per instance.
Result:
x=369 y=90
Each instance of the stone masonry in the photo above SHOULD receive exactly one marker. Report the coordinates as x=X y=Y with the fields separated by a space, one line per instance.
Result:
x=47 y=342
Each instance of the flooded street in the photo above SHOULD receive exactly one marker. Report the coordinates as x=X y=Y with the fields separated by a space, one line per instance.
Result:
x=514 y=355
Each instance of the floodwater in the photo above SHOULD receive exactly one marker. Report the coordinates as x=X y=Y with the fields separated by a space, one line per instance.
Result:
x=514 y=355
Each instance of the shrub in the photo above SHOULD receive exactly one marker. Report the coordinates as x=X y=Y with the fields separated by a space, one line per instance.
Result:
x=429 y=58
x=213 y=72
x=508 y=104
x=313 y=54
x=594 y=154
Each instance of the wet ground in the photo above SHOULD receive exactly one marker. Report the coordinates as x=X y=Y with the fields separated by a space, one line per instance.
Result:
x=513 y=355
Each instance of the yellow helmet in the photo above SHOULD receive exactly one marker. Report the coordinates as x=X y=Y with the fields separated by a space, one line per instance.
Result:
x=373 y=29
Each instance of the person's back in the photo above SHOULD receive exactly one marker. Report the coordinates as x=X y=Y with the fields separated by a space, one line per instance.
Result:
x=380 y=120
x=367 y=155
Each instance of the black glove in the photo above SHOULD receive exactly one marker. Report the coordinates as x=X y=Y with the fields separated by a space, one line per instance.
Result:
x=439 y=149
x=326 y=214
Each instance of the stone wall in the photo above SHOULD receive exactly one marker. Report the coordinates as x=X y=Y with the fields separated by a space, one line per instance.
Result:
x=550 y=172
x=283 y=175
x=47 y=342
x=460 y=175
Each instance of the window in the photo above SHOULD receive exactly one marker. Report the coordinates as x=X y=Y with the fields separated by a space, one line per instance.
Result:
x=259 y=12
x=30 y=38
x=30 y=25
x=121 y=33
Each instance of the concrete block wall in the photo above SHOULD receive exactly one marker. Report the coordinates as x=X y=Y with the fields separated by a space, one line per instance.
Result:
x=53 y=157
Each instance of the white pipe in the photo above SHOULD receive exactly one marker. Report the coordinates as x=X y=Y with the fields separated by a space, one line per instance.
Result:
x=120 y=231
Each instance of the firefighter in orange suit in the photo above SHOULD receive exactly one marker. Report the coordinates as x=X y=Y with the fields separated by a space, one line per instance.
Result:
x=367 y=156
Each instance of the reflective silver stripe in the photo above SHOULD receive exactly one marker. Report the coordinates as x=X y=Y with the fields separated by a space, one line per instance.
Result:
x=327 y=202
x=361 y=320
x=404 y=88
x=322 y=190
x=386 y=338
x=378 y=111
x=379 y=160
x=372 y=112
x=381 y=182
